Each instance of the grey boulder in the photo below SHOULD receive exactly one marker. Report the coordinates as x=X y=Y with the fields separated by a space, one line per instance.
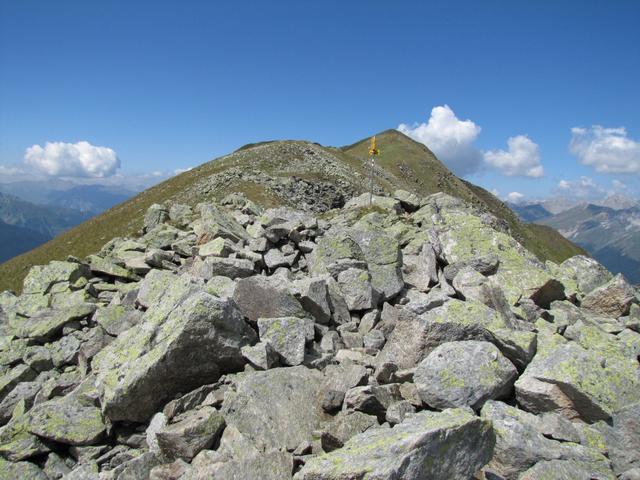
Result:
x=466 y=373
x=613 y=299
x=262 y=297
x=286 y=336
x=188 y=339
x=190 y=433
x=453 y=444
x=277 y=408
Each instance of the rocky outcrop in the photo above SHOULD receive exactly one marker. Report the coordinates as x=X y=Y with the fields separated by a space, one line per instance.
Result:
x=411 y=339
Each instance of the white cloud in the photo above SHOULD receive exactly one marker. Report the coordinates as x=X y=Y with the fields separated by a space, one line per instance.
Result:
x=515 y=197
x=583 y=188
x=522 y=159
x=450 y=138
x=80 y=159
x=608 y=150
x=10 y=170
x=618 y=185
x=178 y=171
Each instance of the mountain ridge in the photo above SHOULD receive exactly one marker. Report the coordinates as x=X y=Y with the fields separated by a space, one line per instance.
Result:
x=295 y=173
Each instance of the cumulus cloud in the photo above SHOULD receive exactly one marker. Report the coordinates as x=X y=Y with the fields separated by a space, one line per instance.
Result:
x=608 y=150
x=583 y=188
x=59 y=159
x=522 y=158
x=515 y=197
x=450 y=138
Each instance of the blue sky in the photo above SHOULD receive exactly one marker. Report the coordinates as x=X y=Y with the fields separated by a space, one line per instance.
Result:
x=166 y=85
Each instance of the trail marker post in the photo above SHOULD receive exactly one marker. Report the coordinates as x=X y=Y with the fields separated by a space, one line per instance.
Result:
x=373 y=152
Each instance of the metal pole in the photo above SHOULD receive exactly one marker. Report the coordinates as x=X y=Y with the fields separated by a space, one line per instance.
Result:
x=371 y=181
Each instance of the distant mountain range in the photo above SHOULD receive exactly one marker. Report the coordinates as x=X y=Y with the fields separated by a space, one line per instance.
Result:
x=92 y=199
x=609 y=230
x=36 y=212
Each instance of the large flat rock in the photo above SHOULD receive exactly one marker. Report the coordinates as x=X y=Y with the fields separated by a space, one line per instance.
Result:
x=453 y=444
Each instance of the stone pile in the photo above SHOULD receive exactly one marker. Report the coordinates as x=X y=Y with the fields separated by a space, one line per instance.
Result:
x=410 y=339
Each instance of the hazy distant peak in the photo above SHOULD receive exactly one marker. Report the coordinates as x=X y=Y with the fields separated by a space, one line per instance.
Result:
x=618 y=201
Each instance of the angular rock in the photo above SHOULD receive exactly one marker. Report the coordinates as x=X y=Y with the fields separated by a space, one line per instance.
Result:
x=467 y=238
x=275 y=258
x=102 y=266
x=238 y=458
x=68 y=421
x=262 y=297
x=261 y=355
x=277 y=408
x=355 y=287
x=372 y=399
x=155 y=285
x=222 y=287
x=414 y=337
x=467 y=373
x=188 y=339
x=586 y=272
x=217 y=223
x=365 y=200
x=226 y=267
x=115 y=319
x=453 y=444
x=136 y=468
x=331 y=251
x=49 y=323
x=398 y=411
x=593 y=389
x=420 y=303
x=156 y=214
x=19 y=373
x=190 y=433
x=520 y=443
x=568 y=470
x=86 y=471
x=314 y=298
x=24 y=391
x=486 y=265
x=613 y=299
x=16 y=443
x=409 y=201
x=286 y=335
x=159 y=258
x=421 y=271
x=21 y=470
x=344 y=426
x=219 y=247
x=374 y=339
x=384 y=260
x=55 y=467
x=622 y=438
x=339 y=310
x=56 y=276
x=340 y=378
x=38 y=358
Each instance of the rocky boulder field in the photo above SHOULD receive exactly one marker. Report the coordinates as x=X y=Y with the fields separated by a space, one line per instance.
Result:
x=410 y=339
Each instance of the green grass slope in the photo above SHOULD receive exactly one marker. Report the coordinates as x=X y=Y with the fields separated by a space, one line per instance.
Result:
x=404 y=164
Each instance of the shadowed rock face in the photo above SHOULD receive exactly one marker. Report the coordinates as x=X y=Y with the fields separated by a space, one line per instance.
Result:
x=414 y=340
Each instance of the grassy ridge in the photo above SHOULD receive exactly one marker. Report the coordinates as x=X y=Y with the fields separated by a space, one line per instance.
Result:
x=404 y=164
